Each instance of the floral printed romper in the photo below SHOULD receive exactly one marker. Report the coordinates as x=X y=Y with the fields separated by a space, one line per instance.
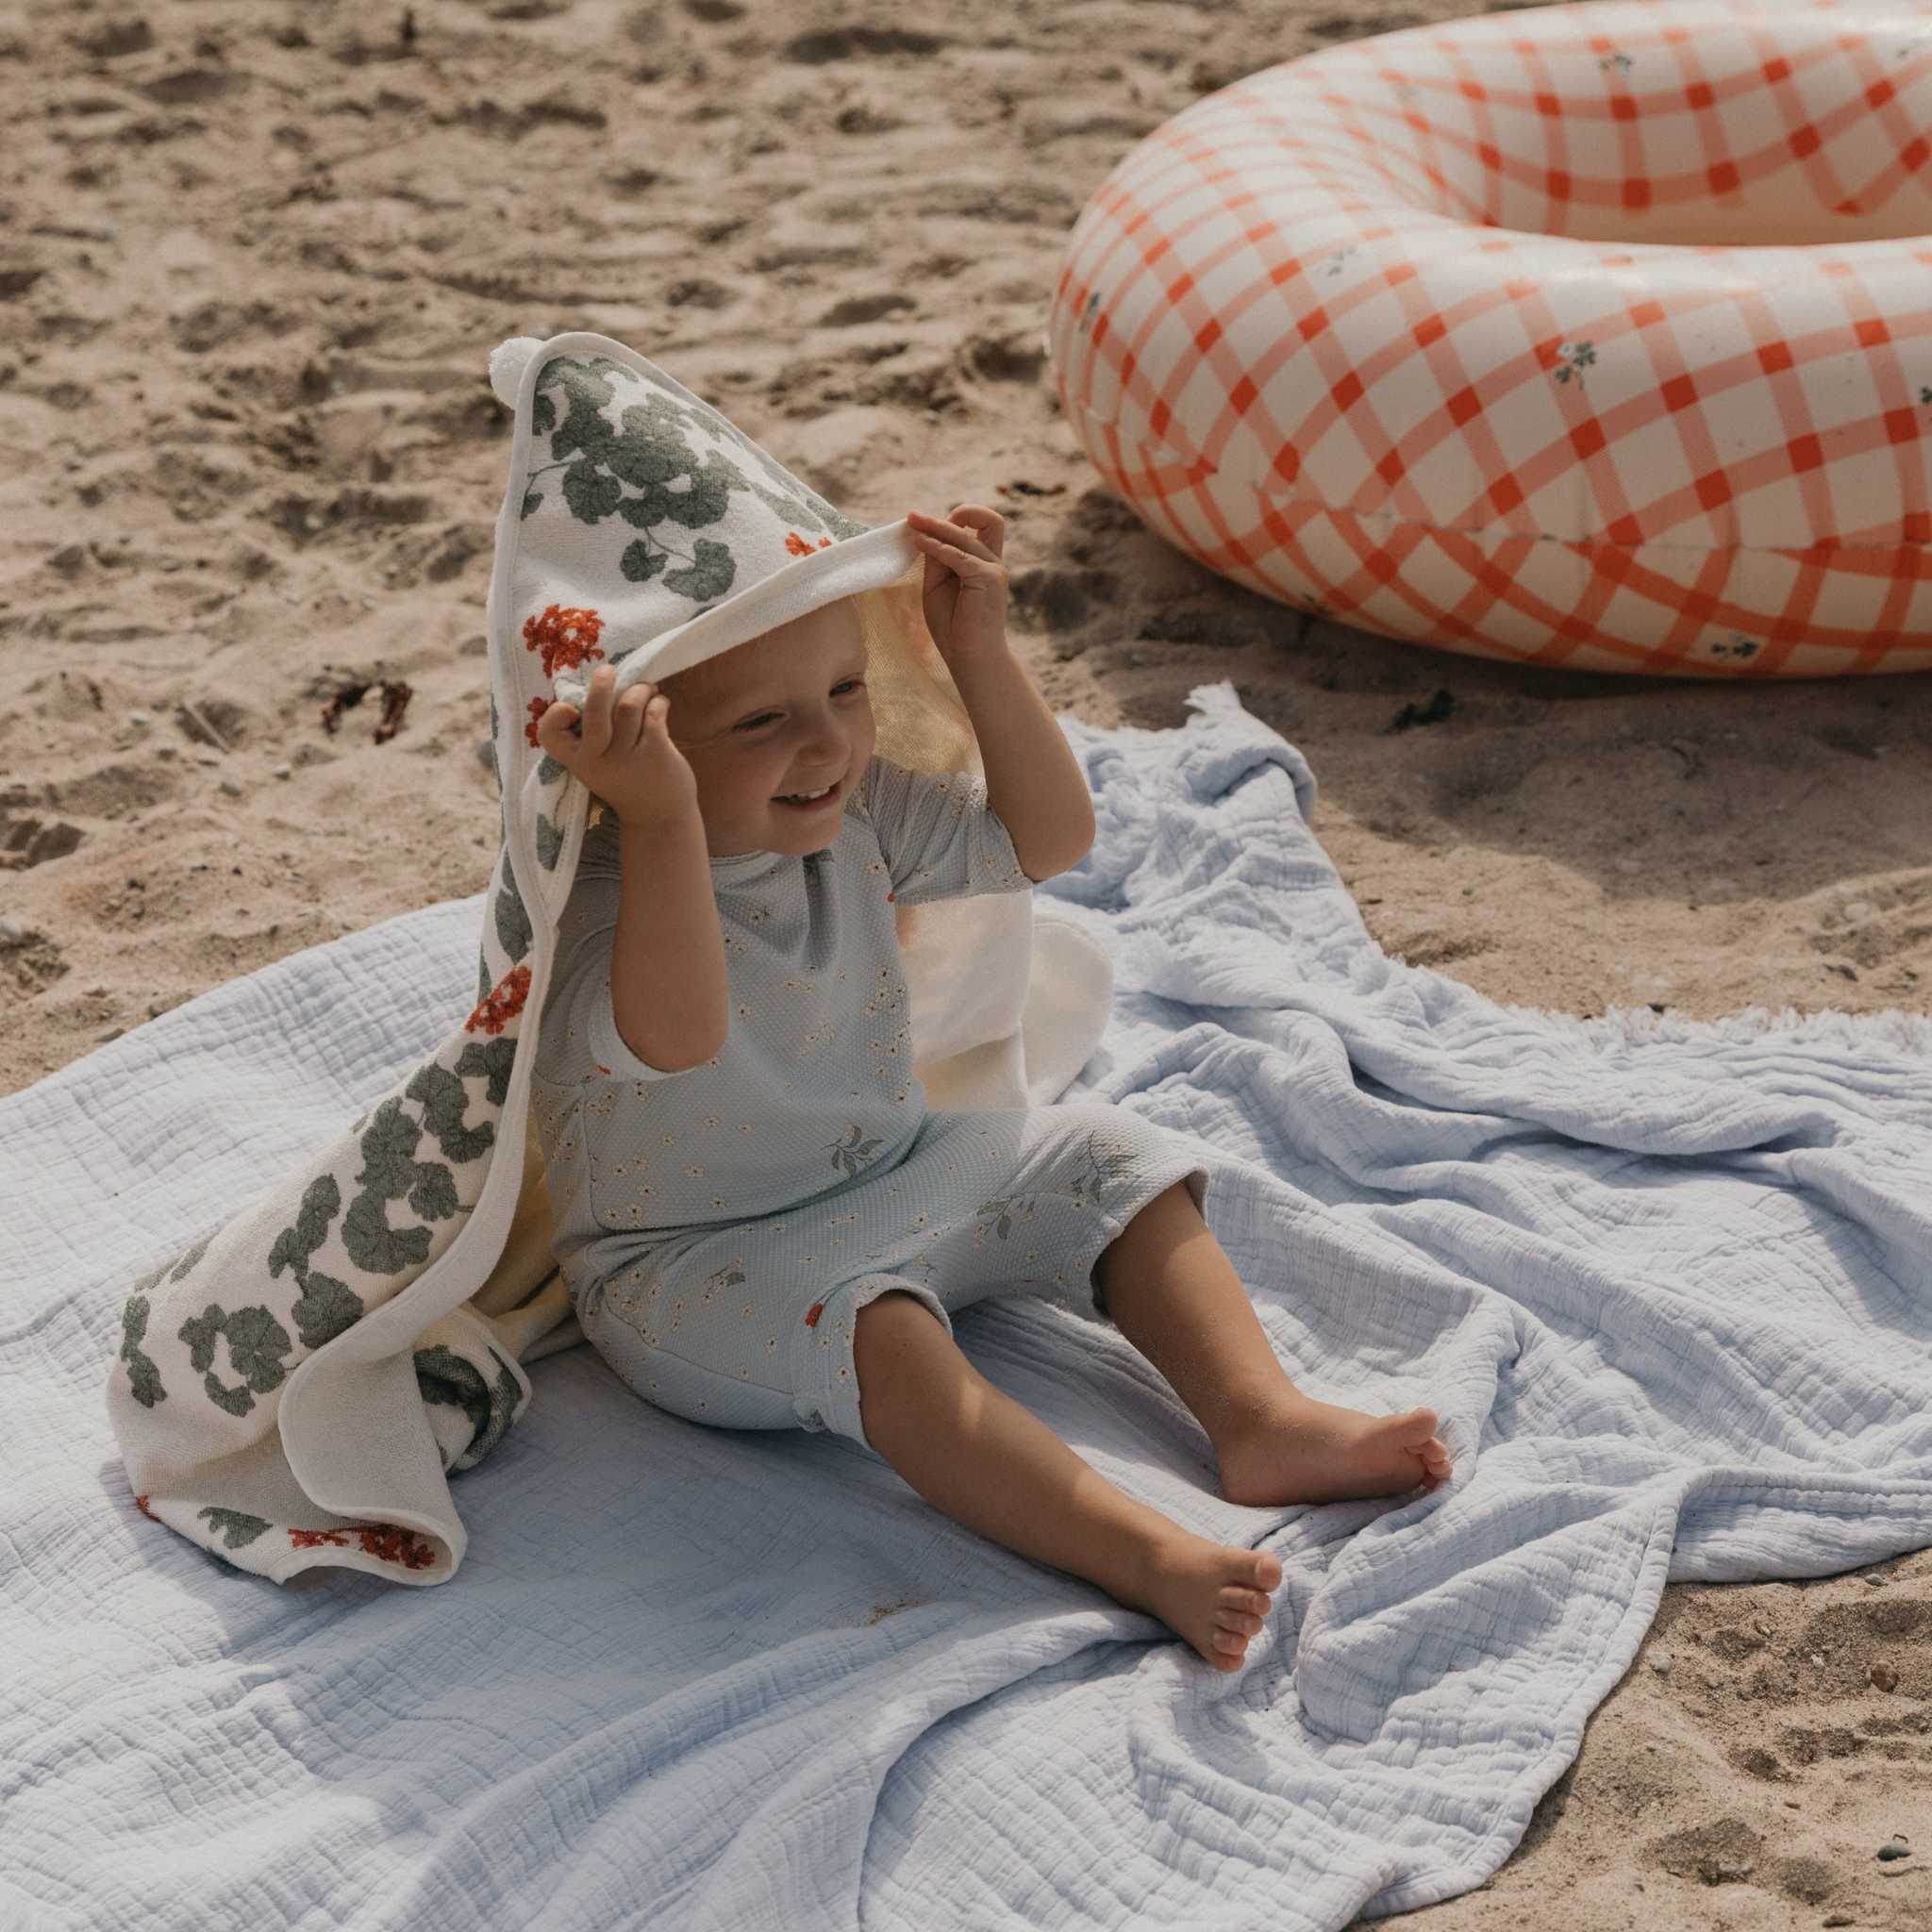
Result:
x=720 y=1228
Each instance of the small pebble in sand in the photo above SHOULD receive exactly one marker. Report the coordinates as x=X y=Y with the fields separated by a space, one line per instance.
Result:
x=1660 y=1661
x=1860 y=909
x=1894 y=1850
x=1883 y=1676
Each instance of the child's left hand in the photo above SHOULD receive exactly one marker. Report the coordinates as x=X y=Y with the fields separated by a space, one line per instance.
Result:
x=965 y=592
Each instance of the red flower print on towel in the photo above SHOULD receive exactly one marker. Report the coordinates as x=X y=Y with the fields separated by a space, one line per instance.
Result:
x=389 y=1540
x=803 y=547
x=505 y=1003
x=565 y=636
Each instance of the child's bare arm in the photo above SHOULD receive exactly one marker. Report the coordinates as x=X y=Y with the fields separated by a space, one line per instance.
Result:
x=670 y=993
x=669 y=989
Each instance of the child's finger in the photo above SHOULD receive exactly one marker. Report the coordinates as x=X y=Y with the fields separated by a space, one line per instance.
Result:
x=989 y=524
x=946 y=535
x=961 y=561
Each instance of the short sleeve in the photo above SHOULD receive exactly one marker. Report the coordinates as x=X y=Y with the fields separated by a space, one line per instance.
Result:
x=940 y=837
x=578 y=1037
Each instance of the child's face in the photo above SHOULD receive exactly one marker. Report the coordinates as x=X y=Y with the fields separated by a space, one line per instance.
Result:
x=786 y=712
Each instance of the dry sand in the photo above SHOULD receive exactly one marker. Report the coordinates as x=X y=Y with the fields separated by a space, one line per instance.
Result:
x=252 y=264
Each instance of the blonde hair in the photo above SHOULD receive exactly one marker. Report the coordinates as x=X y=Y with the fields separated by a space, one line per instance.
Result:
x=921 y=720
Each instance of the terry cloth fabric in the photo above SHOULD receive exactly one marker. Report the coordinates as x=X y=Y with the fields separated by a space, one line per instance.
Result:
x=295 y=1385
x=1669 y=1287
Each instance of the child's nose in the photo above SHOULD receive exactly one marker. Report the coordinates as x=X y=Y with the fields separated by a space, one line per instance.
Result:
x=831 y=740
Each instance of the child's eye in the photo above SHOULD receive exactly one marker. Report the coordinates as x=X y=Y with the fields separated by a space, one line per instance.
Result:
x=764 y=717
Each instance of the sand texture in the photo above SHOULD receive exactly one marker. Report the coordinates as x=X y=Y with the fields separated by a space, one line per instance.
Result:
x=253 y=261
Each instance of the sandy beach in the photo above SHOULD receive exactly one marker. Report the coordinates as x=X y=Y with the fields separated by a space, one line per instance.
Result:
x=252 y=265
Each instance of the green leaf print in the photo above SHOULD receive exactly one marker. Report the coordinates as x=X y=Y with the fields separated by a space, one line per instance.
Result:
x=325 y=1308
x=639 y=564
x=592 y=495
x=389 y=1173
x=258 y=1345
x=549 y=843
x=144 y=1373
x=586 y=393
x=708 y=576
x=512 y=918
x=1001 y=1208
x=443 y=1375
x=493 y=1058
x=1110 y=1171
x=651 y=469
x=377 y=1249
x=445 y=1100
x=191 y=1255
x=855 y=1152
x=321 y=1202
x=237 y=1530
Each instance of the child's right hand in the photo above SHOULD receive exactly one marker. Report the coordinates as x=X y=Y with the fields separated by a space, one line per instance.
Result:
x=622 y=749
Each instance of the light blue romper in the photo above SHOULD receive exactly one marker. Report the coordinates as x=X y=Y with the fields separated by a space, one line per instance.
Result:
x=720 y=1228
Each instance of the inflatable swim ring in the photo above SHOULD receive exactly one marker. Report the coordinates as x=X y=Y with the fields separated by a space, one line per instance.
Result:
x=1594 y=335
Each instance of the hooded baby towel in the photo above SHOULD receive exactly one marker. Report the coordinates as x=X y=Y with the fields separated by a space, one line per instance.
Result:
x=296 y=1388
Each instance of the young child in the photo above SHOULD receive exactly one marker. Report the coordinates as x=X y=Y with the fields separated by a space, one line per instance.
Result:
x=761 y=1224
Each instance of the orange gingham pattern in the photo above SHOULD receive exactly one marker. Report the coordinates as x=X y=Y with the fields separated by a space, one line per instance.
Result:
x=1295 y=328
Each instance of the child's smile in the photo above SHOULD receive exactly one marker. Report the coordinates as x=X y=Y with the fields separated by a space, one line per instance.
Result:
x=785 y=713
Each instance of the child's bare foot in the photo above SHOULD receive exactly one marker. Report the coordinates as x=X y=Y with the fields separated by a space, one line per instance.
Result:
x=1303 y=1451
x=1213 y=1594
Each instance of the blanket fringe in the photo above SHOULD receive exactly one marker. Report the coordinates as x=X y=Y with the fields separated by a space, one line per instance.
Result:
x=1893 y=1030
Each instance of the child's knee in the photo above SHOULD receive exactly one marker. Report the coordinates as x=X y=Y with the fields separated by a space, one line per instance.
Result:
x=889 y=1315
x=906 y=1361
x=890 y=1335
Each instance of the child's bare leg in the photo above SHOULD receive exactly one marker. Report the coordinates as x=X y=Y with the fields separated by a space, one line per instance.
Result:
x=1170 y=1290
x=983 y=1459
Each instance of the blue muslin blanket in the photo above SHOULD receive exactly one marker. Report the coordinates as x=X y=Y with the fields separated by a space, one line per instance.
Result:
x=1669 y=1288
